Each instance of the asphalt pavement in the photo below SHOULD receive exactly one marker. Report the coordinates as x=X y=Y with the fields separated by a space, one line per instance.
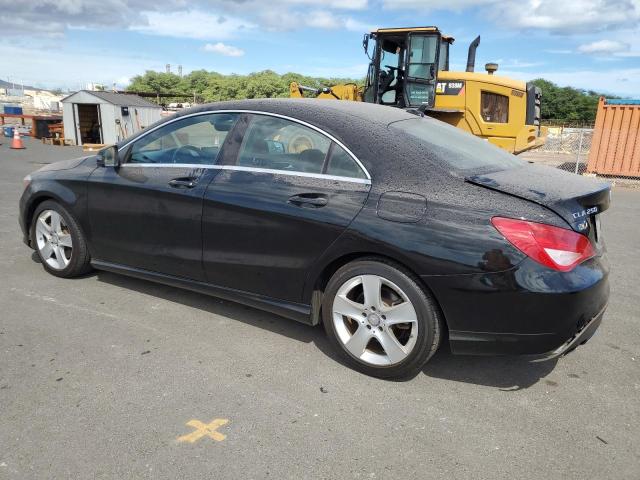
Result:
x=115 y=378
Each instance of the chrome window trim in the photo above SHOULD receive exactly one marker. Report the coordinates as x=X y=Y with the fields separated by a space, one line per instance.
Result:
x=322 y=176
x=256 y=112
x=174 y=165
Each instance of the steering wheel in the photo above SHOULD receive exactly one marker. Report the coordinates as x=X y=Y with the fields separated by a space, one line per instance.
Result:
x=391 y=68
x=193 y=151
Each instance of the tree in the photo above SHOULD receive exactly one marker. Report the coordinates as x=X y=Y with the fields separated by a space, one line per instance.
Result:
x=563 y=104
x=155 y=82
x=215 y=87
x=567 y=104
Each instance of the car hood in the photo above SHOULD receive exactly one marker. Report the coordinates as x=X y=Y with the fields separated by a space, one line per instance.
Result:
x=576 y=199
x=63 y=165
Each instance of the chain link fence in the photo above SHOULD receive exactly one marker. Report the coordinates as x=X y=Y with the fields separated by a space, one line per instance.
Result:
x=568 y=148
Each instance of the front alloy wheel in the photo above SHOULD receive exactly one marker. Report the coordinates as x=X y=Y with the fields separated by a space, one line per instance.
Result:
x=53 y=239
x=59 y=241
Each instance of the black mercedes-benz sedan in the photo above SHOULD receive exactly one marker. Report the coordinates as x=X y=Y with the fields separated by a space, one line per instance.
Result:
x=396 y=232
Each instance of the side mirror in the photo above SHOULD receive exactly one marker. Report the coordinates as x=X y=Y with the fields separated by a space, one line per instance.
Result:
x=365 y=44
x=108 y=157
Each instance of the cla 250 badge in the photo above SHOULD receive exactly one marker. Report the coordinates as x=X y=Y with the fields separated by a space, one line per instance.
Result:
x=584 y=213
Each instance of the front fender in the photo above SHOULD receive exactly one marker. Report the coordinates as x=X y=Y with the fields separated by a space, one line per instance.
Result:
x=67 y=187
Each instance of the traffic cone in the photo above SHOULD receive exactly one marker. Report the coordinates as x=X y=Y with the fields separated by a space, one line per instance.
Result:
x=17 y=143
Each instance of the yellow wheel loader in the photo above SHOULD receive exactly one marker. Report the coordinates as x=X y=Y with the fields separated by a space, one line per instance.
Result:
x=409 y=68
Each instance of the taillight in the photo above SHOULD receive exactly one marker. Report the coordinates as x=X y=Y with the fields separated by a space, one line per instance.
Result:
x=554 y=247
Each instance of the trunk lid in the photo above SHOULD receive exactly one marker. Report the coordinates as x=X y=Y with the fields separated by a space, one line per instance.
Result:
x=576 y=199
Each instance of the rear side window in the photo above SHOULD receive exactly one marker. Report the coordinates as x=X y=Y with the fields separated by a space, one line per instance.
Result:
x=494 y=107
x=280 y=144
x=341 y=164
x=454 y=147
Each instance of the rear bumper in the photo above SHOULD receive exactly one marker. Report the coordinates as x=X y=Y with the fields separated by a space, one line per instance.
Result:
x=474 y=343
x=527 y=310
x=580 y=338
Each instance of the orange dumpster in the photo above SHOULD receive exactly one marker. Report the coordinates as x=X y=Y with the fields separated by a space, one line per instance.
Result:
x=615 y=149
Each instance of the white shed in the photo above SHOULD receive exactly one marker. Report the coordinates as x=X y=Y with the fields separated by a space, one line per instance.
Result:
x=105 y=117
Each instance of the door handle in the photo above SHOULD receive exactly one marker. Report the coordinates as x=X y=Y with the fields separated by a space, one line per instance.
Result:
x=187 y=182
x=317 y=200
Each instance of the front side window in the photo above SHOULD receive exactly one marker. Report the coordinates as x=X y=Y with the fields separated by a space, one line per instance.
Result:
x=494 y=107
x=279 y=144
x=192 y=140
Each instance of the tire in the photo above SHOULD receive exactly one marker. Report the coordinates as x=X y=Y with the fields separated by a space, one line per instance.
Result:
x=66 y=255
x=348 y=321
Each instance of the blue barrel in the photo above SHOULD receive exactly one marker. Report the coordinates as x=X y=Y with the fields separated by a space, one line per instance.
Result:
x=14 y=110
x=8 y=131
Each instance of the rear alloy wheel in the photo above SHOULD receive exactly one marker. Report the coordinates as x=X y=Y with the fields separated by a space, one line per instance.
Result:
x=381 y=319
x=59 y=241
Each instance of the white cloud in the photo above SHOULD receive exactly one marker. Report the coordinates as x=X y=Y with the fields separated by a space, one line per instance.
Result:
x=338 y=4
x=51 y=18
x=222 y=49
x=566 y=18
x=196 y=24
x=559 y=17
x=322 y=19
x=604 y=47
x=199 y=19
x=174 y=17
x=455 y=5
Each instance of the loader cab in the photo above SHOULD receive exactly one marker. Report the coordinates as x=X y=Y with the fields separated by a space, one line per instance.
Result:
x=404 y=65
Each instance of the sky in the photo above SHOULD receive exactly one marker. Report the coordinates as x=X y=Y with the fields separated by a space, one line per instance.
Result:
x=587 y=44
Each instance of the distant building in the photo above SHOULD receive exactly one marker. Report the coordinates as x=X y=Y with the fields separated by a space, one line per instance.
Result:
x=105 y=117
x=31 y=99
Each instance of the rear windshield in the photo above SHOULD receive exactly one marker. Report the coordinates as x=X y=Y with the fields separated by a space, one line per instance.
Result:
x=457 y=148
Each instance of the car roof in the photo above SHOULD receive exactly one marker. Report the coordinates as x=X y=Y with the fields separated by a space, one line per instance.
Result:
x=321 y=112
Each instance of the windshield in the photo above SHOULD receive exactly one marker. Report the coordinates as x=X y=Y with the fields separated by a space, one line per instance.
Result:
x=458 y=149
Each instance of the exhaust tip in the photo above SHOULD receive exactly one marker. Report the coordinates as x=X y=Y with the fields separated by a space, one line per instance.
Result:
x=471 y=55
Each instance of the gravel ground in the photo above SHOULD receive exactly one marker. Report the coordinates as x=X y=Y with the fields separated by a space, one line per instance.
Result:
x=100 y=375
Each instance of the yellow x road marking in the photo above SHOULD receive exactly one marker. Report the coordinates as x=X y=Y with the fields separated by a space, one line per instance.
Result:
x=203 y=429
